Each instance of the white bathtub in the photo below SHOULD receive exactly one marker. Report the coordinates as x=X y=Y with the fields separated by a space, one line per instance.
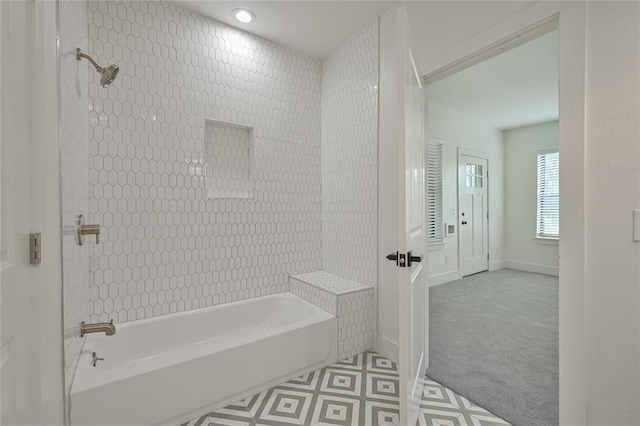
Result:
x=167 y=369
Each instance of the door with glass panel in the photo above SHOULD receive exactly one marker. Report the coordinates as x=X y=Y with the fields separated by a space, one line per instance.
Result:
x=473 y=215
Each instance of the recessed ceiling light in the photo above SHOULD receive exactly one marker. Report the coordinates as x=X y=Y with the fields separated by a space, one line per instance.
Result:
x=243 y=15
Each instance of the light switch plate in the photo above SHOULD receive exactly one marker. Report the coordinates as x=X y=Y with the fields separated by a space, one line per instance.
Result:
x=636 y=225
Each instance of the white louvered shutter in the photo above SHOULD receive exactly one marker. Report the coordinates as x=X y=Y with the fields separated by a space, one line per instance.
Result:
x=548 y=204
x=435 y=226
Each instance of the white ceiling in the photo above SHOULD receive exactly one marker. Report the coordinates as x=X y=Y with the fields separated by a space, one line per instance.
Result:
x=516 y=88
x=314 y=28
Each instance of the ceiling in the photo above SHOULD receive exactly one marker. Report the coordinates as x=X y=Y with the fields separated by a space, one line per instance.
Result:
x=314 y=28
x=317 y=28
x=516 y=88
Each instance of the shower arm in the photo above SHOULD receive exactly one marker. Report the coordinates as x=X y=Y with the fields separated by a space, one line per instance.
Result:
x=79 y=55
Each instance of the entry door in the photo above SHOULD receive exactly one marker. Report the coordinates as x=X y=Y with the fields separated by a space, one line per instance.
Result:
x=473 y=219
x=412 y=219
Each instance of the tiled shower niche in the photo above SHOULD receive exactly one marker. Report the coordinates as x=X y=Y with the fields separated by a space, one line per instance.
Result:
x=228 y=160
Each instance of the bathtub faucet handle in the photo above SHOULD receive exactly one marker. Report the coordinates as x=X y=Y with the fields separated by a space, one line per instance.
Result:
x=82 y=230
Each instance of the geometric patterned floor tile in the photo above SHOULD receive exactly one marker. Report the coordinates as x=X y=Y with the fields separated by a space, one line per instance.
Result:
x=360 y=391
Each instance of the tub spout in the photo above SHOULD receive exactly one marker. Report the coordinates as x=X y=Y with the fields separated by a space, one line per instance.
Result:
x=107 y=327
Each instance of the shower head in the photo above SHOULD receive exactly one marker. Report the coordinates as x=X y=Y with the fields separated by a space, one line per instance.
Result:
x=108 y=74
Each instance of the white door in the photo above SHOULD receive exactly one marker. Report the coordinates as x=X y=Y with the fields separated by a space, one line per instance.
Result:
x=30 y=295
x=15 y=349
x=473 y=218
x=412 y=221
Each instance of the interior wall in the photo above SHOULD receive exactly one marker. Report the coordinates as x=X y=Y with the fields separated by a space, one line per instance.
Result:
x=459 y=131
x=74 y=185
x=165 y=247
x=350 y=158
x=612 y=192
x=522 y=250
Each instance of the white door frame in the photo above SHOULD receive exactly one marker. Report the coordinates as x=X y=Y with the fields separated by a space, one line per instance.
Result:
x=570 y=18
x=484 y=156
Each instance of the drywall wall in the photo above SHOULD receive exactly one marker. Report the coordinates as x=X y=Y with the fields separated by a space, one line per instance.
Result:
x=522 y=250
x=459 y=131
x=612 y=185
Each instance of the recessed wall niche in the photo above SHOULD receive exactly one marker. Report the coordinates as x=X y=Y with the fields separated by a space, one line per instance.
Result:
x=229 y=160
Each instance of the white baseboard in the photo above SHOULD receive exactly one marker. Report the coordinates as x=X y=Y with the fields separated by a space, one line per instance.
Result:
x=443 y=278
x=532 y=267
x=388 y=348
x=496 y=265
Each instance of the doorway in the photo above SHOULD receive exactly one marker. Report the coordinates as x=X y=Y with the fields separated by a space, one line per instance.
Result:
x=494 y=281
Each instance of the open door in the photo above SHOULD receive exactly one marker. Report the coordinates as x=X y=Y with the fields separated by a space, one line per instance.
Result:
x=30 y=277
x=15 y=279
x=412 y=221
x=402 y=117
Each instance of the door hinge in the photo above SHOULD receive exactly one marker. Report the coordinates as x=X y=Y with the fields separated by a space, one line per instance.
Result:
x=487 y=256
x=35 y=245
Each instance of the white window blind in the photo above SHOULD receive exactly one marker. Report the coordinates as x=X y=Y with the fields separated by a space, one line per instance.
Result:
x=435 y=226
x=548 y=204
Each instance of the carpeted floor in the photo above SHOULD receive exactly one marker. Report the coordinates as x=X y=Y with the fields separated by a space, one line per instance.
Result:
x=494 y=340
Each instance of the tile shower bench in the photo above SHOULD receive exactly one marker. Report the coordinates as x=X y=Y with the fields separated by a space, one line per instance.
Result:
x=351 y=302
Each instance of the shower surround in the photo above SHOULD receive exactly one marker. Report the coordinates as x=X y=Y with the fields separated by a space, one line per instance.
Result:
x=165 y=246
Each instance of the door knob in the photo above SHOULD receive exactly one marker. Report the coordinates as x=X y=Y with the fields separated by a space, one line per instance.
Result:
x=411 y=258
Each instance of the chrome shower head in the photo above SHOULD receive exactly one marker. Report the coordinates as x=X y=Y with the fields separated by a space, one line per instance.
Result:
x=108 y=74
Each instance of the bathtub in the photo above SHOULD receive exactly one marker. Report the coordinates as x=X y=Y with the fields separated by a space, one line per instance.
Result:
x=169 y=369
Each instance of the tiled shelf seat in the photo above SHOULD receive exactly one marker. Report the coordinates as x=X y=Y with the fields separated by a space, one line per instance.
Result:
x=351 y=302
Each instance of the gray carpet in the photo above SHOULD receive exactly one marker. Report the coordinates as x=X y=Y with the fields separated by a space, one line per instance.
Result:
x=494 y=340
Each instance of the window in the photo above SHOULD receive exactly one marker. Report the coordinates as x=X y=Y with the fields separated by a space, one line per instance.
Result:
x=548 y=202
x=435 y=226
x=474 y=175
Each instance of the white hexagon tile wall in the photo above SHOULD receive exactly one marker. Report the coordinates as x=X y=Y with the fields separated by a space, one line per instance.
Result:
x=167 y=247
x=350 y=171
x=350 y=158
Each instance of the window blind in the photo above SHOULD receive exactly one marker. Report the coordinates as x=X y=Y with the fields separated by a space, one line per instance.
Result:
x=435 y=226
x=548 y=202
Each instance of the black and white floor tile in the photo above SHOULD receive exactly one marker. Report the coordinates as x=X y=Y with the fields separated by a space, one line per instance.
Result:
x=360 y=391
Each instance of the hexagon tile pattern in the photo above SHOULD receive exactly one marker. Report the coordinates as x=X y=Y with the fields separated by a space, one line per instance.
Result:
x=165 y=247
x=350 y=160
